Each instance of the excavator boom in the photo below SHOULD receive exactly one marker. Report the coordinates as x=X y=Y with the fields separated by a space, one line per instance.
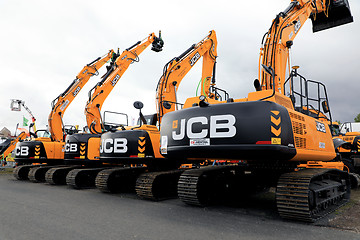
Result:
x=176 y=69
x=120 y=64
x=274 y=53
x=60 y=104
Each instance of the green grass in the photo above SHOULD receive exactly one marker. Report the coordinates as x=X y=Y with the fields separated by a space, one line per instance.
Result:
x=7 y=171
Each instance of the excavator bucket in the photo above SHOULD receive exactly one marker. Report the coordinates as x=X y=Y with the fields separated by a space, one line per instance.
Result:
x=338 y=13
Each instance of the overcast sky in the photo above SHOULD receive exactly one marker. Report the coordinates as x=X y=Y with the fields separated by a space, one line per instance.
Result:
x=44 y=45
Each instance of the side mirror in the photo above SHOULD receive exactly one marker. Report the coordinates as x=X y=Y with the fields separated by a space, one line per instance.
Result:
x=138 y=105
x=325 y=106
x=166 y=105
x=257 y=85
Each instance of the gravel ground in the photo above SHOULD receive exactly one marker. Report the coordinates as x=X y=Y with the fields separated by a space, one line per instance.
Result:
x=346 y=218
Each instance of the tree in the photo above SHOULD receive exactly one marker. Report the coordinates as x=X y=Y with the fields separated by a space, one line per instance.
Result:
x=357 y=119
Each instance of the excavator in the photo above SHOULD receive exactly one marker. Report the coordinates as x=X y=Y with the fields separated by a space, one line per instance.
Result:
x=82 y=149
x=154 y=176
x=273 y=131
x=347 y=142
x=9 y=145
x=47 y=147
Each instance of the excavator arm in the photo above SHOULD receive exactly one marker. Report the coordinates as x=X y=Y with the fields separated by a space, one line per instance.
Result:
x=176 y=69
x=274 y=53
x=59 y=105
x=117 y=68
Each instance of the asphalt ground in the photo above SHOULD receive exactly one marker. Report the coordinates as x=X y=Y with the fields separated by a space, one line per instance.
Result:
x=33 y=211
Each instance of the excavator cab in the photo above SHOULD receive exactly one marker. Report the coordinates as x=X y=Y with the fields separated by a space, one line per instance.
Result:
x=338 y=14
x=114 y=120
x=308 y=96
x=150 y=119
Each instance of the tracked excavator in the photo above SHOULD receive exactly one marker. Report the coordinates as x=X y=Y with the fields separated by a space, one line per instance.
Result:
x=271 y=130
x=347 y=143
x=47 y=147
x=9 y=145
x=82 y=149
x=155 y=177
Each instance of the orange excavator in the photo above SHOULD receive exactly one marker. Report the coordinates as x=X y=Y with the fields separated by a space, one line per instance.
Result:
x=272 y=131
x=9 y=145
x=82 y=149
x=154 y=176
x=48 y=145
x=347 y=142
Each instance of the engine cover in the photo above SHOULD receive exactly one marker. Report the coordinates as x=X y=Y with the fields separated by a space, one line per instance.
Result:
x=238 y=130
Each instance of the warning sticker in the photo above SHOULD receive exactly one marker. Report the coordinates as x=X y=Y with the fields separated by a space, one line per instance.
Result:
x=276 y=141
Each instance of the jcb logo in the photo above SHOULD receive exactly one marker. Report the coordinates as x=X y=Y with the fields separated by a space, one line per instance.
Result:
x=194 y=59
x=77 y=90
x=221 y=126
x=320 y=127
x=70 y=147
x=115 y=80
x=117 y=145
x=22 y=151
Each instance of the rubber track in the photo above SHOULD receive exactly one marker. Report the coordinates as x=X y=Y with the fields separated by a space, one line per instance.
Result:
x=158 y=185
x=292 y=196
x=82 y=178
x=191 y=189
x=117 y=180
x=57 y=175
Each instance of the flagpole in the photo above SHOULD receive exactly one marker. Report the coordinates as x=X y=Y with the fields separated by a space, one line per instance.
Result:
x=17 y=125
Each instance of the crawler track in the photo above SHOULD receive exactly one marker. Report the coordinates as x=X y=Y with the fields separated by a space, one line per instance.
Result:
x=117 y=180
x=82 y=178
x=158 y=185
x=311 y=194
x=22 y=172
x=57 y=175
x=37 y=174
x=205 y=185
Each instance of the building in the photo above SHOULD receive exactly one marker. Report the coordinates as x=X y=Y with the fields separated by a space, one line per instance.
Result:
x=5 y=133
